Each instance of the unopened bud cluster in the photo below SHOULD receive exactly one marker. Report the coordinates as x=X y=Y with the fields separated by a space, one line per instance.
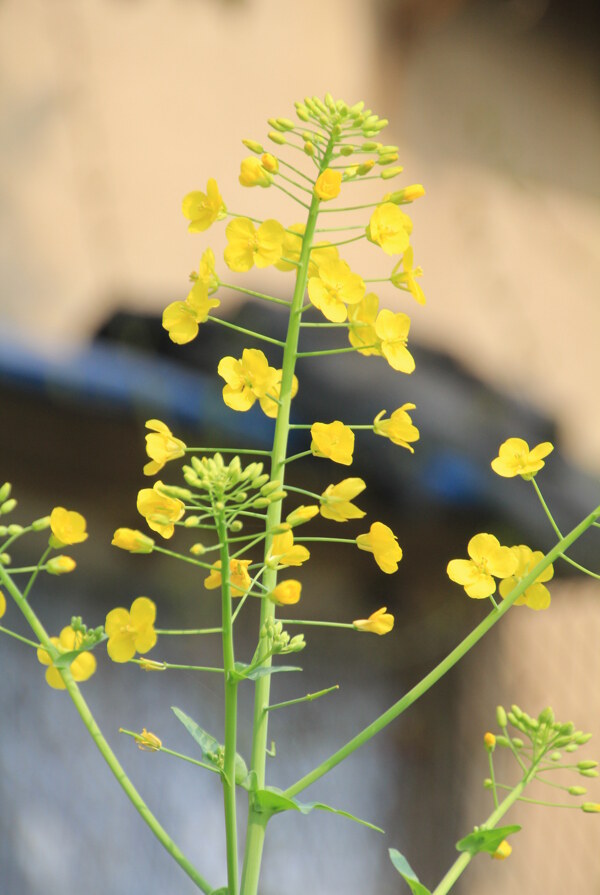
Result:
x=279 y=641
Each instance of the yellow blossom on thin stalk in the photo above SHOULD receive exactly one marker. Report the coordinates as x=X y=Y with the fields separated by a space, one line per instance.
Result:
x=203 y=209
x=160 y=511
x=515 y=458
x=291 y=247
x=60 y=565
x=148 y=741
x=132 y=540
x=393 y=329
x=182 y=319
x=286 y=593
x=253 y=173
x=536 y=596
x=320 y=254
x=328 y=184
x=333 y=440
x=335 y=287
x=336 y=500
x=389 y=228
x=2 y=604
x=283 y=551
x=67 y=526
x=398 y=428
x=268 y=401
x=488 y=559
x=379 y=622
x=131 y=631
x=239 y=579
x=407 y=278
x=161 y=446
x=301 y=515
x=248 y=246
x=82 y=667
x=383 y=544
x=250 y=379
x=361 y=328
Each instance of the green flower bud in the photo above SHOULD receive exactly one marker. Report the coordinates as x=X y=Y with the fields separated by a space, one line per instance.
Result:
x=269 y=487
x=330 y=102
x=175 y=491
x=190 y=478
x=321 y=106
x=253 y=146
x=8 y=506
x=556 y=756
x=546 y=716
x=583 y=738
x=383 y=122
x=3 y=531
x=41 y=524
x=588 y=773
x=302 y=112
x=236 y=525
x=4 y=559
x=191 y=521
x=357 y=108
x=591 y=807
x=297 y=643
x=577 y=790
x=261 y=502
x=277 y=495
x=370 y=147
x=275 y=124
x=587 y=765
x=501 y=716
x=572 y=747
x=219 y=506
x=566 y=729
x=502 y=741
x=513 y=719
x=388 y=159
x=198 y=549
x=260 y=480
x=487 y=783
x=346 y=150
x=517 y=742
x=277 y=138
x=392 y=172
x=241 y=496
x=561 y=742
x=284 y=124
x=5 y=491
x=15 y=529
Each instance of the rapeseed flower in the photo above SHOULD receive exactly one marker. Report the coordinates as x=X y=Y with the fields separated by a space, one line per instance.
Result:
x=286 y=593
x=389 y=228
x=320 y=254
x=291 y=247
x=301 y=515
x=393 y=329
x=536 y=596
x=67 y=526
x=249 y=246
x=203 y=209
x=132 y=540
x=148 y=741
x=181 y=319
x=2 y=604
x=503 y=851
x=283 y=551
x=328 y=184
x=398 y=428
x=269 y=401
x=488 y=559
x=250 y=379
x=333 y=288
x=131 y=631
x=379 y=622
x=60 y=565
x=407 y=278
x=253 y=173
x=336 y=500
x=161 y=446
x=333 y=440
x=239 y=579
x=383 y=544
x=515 y=458
x=160 y=511
x=82 y=667
x=361 y=329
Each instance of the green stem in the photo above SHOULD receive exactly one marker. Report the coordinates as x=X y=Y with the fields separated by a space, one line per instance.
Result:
x=102 y=745
x=316 y=624
x=493 y=778
x=193 y=562
x=225 y=450
x=19 y=637
x=200 y=764
x=296 y=457
x=190 y=631
x=558 y=532
x=299 y=186
x=308 y=698
x=255 y=294
x=242 y=329
x=291 y=195
x=326 y=351
x=445 y=665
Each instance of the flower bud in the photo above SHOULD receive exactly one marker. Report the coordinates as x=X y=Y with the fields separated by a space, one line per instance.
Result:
x=577 y=790
x=388 y=159
x=296 y=644
x=277 y=138
x=253 y=146
x=302 y=112
x=260 y=503
x=591 y=807
x=5 y=559
x=151 y=665
x=175 y=491
x=191 y=521
x=236 y=525
x=15 y=529
x=270 y=164
x=488 y=783
x=489 y=741
x=198 y=549
x=260 y=480
x=346 y=150
x=503 y=851
x=583 y=738
x=501 y=716
x=269 y=487
x=546 y=716
x=41 y=524
x=587 y=765
x=286 y=593
x=392 y=172
x=132 y=540
x=556 y=756
x=8 y=506
x=572 y=747
x=365 y=167
x=285 y=124
x=502 y=741
x=588 y=773
x=5 y=491
x=371 y=147
x=60 y=565
x=517 y=742
x=309 y=148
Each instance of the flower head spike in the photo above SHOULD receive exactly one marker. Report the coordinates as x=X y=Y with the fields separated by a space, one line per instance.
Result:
x=328 y=185
x=333 y=440
x=336 y=500
x=379 y=622
x=160 y=511
x=253 y=173
x=132 y=540
x=82 y=667
x=239 y=579
x=131 y=631
x=248 y=247
x=407 y=279
x=389 y=228
x=161 y=446
x=536 y=596
x=515 y=458
x=383 y=544
x=203 y=209
x=488 y=559
x=334 y=288
x=67 y=526
x=393 y=329
x=286 y=593
x=398 y=428
x=361 y=329
x=283 y=551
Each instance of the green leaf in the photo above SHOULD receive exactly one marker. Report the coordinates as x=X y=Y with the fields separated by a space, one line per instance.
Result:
x=407 y=873
x=65 y=659
x=209 y=746
x=262 y=671
x=273 y=801
x=486 y=840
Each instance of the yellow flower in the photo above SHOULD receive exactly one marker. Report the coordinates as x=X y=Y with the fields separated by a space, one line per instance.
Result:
x=133 y=540
x=60 y=565
x=248 y=379
x=334 y=288
x=361 y=331
x=161 y=512
x=383 y=544
x=291 y=247
x=398 y=428
x=161 y=446
x=321 y=253
x=328 y=184
x=407 y=279
x=393 y=329
x=503 y=851
x=379 y=622
x=268 y=401
x=253 y=173
x=206 y=272
x=389 y=228
x=536 y=596
x=67 y=526
x=488 y=558
x=203 y=209
x=181 y=319
x=333 y=440
x=336 y=500
x=248 y=247
x=147 y=741
x=82 y=667
x=2 y=604
x=301 y=515
x=239 y=579
x=286 y=593
x=269 y=162
x=515 y=458
x=489 y=741
x=283 y=551
x=131 y=631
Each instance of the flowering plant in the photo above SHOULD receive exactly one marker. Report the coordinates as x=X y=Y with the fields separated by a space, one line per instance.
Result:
x=242 y=508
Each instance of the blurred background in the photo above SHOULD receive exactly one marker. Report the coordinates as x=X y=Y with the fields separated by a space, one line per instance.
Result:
x=111 y=111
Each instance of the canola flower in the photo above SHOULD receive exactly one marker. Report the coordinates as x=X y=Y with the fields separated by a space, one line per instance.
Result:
x=328 y=184
x=251 y=379
x=383 y=544
x=361 y=325
x=161 y=446
x=182 y=319
x=399 y=428
x=132 y=540
x=254 y=173
x=392 y=329
x=379 y=622
x=81 y=668
x=203 y=209
x=239 y=579
x=404 y=276
x=67 y=527
x=537 y=595
x=515 y=458
x=291 y=248
x=160 y=511
x=60 y=565
x=286 y=593
x=488 y=560
x=2 y=604
x=283 y=552
x=334 y=441
x=131 y=631
x=249 y=246
x=334 y=288
x=389 y=228
x=336 y=500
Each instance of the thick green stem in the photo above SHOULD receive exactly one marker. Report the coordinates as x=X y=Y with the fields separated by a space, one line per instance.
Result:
x=445 y=665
